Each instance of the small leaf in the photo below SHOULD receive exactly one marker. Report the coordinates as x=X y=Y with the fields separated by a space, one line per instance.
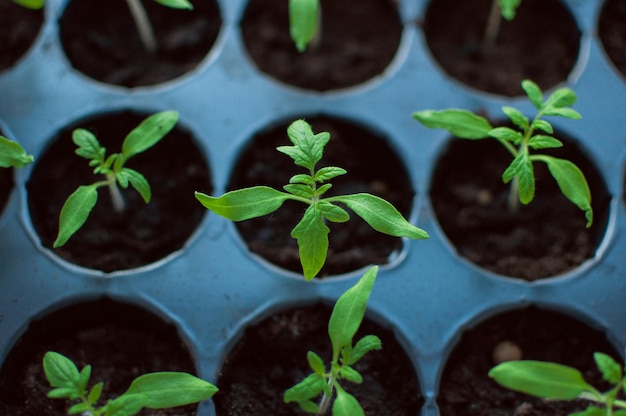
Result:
x=303 y=179
x=562 y=97
x=312 y=386
x=246 y=203
x=308 y=148
x=508 y=8
x=95 y=393
x=506 y=133
x=312 y=236
x=381 y=215
x=349 y=311
x=345 y=404
x=540 y=141
x=533 y=92
x=522 y=168
x=12 y=154
x=322 y=189
x=563 y=112
x=176 y=4
x=75 y=211
x=516 y=116
x=316 y=363
x=64 y=393
x=60 y=370
x=88 y=145
x=170 y=389
x=148 y=133
x=137 y=181
x=309 y=406
x=543 y=126
x=351 y=375
x=31 y=4
x=328 y=173
x=541 y=379
x=78 y=408
x=592 y=411
x=461 y=123
x=303 y=21
x=610 y=369
x=297 y=189
x=332 y=212
x=362 y=347
x=125 y=405
x=85 y=375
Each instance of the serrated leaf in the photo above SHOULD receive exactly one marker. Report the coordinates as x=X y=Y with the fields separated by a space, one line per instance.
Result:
x=533 y=92
x=345 y=404
x=541 y=379
x=351 y=375
x=316 y=363
x=516 y=117
x=508 y=8
x=78 y=408
x=562 y=97
x=543 y=126
x=522 y=168
x=176 y=4
x=303 y=22
x=540 y=141
x=137 y=181
x=562 y=112
x=461 y=123
x=12 y=154
x=308 y=148
x=31 y=4
x=302 y=178
x=170 y=389
x=332 y=212
x=506 y=133
x=75 y=211
x=303 y=191
x=381 y=215
x=88 y=145
x=310 y=387
x=60 y=370
x=246 y=203
x=572 y=183
x=327 y=173
x=322 y=189
x=363 y=346
x=312 y=236
x=349 y=311
x=610 y=369
x=148 y=133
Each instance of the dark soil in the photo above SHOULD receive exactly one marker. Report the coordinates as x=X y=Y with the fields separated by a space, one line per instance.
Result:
x=120 y=341
x=6 y=186
x=612 y=32
x=143 y=233
x=372 y=167
x=544 y=238
x=101 y=40
x=540 y=44
x=466 y=389
x=359 y=38
x=271 y=357
x=19 y=28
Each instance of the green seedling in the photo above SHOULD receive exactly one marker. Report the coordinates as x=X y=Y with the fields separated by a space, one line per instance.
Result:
x=499 y=9
x=80 y=203
x=344 y=322
x=528 y=135
x=31 y=4
x=311 y=232
x=305 y=18
x=160 y=390
x=12 y=154
x=559 y=382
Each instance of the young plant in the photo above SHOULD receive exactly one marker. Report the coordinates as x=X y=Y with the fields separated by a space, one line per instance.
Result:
x=12 y=154
x=304 y=22
x=80 y=203
x=160 y=390
x=499 y=9
x=146 y=33
x=311 y=232
x=559 y=382
x=344 y=322
x=528 y=135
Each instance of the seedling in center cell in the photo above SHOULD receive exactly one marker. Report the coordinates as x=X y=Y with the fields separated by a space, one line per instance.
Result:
x=499 y=9
x=529 y=135
x=80 y=203
x=311 y=232
x=12 y=154
x=160 y=390
x=344 y=322
x=559 y=382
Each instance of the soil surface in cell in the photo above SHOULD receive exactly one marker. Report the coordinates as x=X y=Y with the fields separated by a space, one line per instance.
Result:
x=102 y=41
x=357 y=41
x=612 y=32
x=467 y=390
x=142 y=233
x=119 y=341
x=272 y=356
x=19 y=27
x=544 y=238
x=372 y=167
x=540 y=44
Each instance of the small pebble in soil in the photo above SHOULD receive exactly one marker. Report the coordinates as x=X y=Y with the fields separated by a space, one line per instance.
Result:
x=506 y=351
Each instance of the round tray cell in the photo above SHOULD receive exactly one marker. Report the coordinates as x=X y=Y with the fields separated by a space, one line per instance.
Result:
x=119 y=340
x=358 y=40
x=612 y=32
x=271 y=356
x=372 y=166
x=142 y=233
x=532 y=334
x=19 y=28
x=542 y=239
x=540 y=44
x=101 y=40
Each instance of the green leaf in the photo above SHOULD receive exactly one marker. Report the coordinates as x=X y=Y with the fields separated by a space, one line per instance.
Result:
x=508 y=8
x=562 y=112
x=562 y=97
x=610 y=369
x=246 y=203
x=64 y=393
x=540 y=141
x=316 y=363
x=533 y=92
x=95 y=392
x=297 y=189
x=31 y=4
x=345 y=404
x=302 y=178
x=461 y=123
x=125 y=405
x=592 y=411
x=362 y=347
x=85 y=375
x=60 y=370
x=137 y=181
x=332 y=212
x=381 y=215
x=312 y=236
x=308 y=148
x=303 y=21
x=522 y=168
x=351 y=374
x=322 y=189
x=78 y=408
x=176 y=4
x=170 y=389
x=88 y=145
x=312 y=386
x=572 y=183
x=349 y=311
x=619 y=413
x=328 y=173
x=541 y=379
x=506 y=133
x=12 y=154
x=75 y=211
x=516 y=116
x=543 y=126
x=148 y=133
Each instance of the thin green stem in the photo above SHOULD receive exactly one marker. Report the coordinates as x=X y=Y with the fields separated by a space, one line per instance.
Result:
x=146 y=33
x=325 y=401
x=493 y=24
x=116 y=196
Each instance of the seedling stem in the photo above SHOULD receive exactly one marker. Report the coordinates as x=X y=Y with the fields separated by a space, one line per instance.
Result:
x=493 y=24
x=146 y=33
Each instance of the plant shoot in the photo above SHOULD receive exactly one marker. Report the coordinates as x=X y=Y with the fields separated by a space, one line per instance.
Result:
x=304 y=22
x=12 y=154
